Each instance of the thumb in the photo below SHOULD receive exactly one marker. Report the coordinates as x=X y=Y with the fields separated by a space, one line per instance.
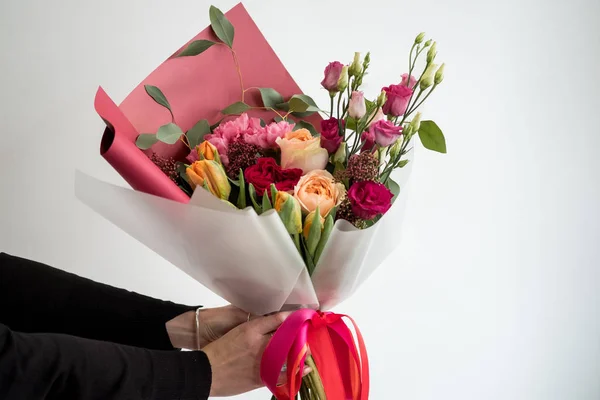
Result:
x=270 y=323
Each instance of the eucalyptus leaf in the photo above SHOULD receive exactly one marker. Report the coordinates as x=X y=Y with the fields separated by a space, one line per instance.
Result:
x=146 y=140
x=270 y=97
x=302 y=104
x=221 y=26
x=241 y=203
x=306 y=125
x=327 y=228
x=253 y=198
x=432 y=137
x=196 y=134
x=169 y=133
x=236 y=108
x=278 y=119
x=158 y=97
x=196 y=47
x=266 y=203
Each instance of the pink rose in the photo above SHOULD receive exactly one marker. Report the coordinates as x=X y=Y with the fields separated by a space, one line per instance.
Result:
x=408 y=82
x=330 y=134
x=332 y=75
x=379 y=115
x=385 y=133
x=369 y=199
x=357 y=107
x=231 y=131
x=266 y=137
x=300 y=150
x=398 y=97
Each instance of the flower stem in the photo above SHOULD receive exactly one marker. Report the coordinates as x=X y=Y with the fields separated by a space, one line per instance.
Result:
x=239 y=72
x=316 y=383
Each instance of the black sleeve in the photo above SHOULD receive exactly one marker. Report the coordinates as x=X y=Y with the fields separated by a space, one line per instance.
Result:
x=55 y=366
x=37 y=298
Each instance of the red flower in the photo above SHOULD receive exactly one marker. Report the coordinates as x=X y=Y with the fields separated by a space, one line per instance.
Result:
x=330 y=134
x=266 y=172
x=369 y=199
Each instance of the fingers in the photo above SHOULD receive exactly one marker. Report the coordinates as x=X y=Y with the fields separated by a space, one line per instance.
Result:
x=283 y=375
x=268 y=324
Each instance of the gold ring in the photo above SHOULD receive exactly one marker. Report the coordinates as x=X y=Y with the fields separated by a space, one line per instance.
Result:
x=248 y=317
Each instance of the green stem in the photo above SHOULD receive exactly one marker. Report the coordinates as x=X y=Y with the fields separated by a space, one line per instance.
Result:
x=414 y=108
x=331 y=113
x=317 y=384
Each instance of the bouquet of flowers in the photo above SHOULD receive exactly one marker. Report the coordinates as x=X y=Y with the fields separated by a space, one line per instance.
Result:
x=241 y=183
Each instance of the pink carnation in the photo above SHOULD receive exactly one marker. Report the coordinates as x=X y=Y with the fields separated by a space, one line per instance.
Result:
x=266 y=137
x=241 y=127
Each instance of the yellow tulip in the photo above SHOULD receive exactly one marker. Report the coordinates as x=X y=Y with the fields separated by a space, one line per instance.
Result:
x=209 y=174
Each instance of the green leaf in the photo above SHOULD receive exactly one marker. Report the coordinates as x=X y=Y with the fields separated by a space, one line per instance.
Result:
x=432 y=137
x=351 y=124
x=169 y=133
x=327 y=228
x=181 y=168
x=262 y=123
x=393 y=187
x=306 y=125
x=221 y=26
x=301 y=103
x=196 y=134
x=196 y=47
x=273 y=194
x=241 y=203
x=308 y=259
x=253 y=198
x=270 y=97
x=314 y=235
x=236 y=108
x=233 y=182
x=278 y=119
x=215 y=125
x=266 y=203
x=146 y=140
x=158 y=97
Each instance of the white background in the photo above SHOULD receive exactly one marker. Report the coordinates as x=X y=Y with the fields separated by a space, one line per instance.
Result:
x=494 y=292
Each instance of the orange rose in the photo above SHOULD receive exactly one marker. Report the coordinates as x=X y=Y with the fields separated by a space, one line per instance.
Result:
x=299 y=149
x=318 y=188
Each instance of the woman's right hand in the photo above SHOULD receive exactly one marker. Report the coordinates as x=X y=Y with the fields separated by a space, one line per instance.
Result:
x=235 y=357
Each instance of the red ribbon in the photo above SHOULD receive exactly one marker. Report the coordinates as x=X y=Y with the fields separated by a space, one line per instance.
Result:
x=342 y=365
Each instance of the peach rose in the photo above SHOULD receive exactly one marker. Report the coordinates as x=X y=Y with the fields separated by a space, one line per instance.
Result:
x=318 y=188
x=299 y=149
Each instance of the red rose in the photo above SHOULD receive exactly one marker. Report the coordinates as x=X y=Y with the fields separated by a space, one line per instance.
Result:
x=266 y=172
x=369 y=199
x=330 y=134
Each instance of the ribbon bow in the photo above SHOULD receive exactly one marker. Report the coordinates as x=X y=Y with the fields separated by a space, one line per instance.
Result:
x=344 y=369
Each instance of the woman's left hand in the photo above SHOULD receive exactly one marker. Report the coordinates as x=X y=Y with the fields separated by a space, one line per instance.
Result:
x=212 y=323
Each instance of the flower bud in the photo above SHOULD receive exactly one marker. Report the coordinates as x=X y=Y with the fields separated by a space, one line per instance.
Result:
x=211 y=175
x=395 y=149
x=343 y=81
x=439 y=75
x=366 y=61
x=408 y=131
x=357 y=108
x=308 y=222
x=207 y=151
x=432 y=52
x=428 y=75
x=289 y=211
x=356 y=66
x=332 y=76
x=427 y=43
x=381 y=99
x=415 y=124
x=420 y=37
x=340 y=154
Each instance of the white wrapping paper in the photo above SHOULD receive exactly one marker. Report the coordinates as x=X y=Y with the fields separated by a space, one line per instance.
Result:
x=247 y=259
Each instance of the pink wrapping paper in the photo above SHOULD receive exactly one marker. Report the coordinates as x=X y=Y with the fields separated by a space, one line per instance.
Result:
x=197 y=88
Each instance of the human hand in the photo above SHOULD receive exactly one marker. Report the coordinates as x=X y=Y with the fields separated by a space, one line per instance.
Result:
x=235 y=358
x=212 y=324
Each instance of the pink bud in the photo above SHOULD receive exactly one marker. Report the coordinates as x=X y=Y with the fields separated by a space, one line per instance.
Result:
x=357 y=107
x=332 y=75
x=406 y=82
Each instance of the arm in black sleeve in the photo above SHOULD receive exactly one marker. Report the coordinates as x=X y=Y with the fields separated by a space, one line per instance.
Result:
x=55 y=366
x=38 y=298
